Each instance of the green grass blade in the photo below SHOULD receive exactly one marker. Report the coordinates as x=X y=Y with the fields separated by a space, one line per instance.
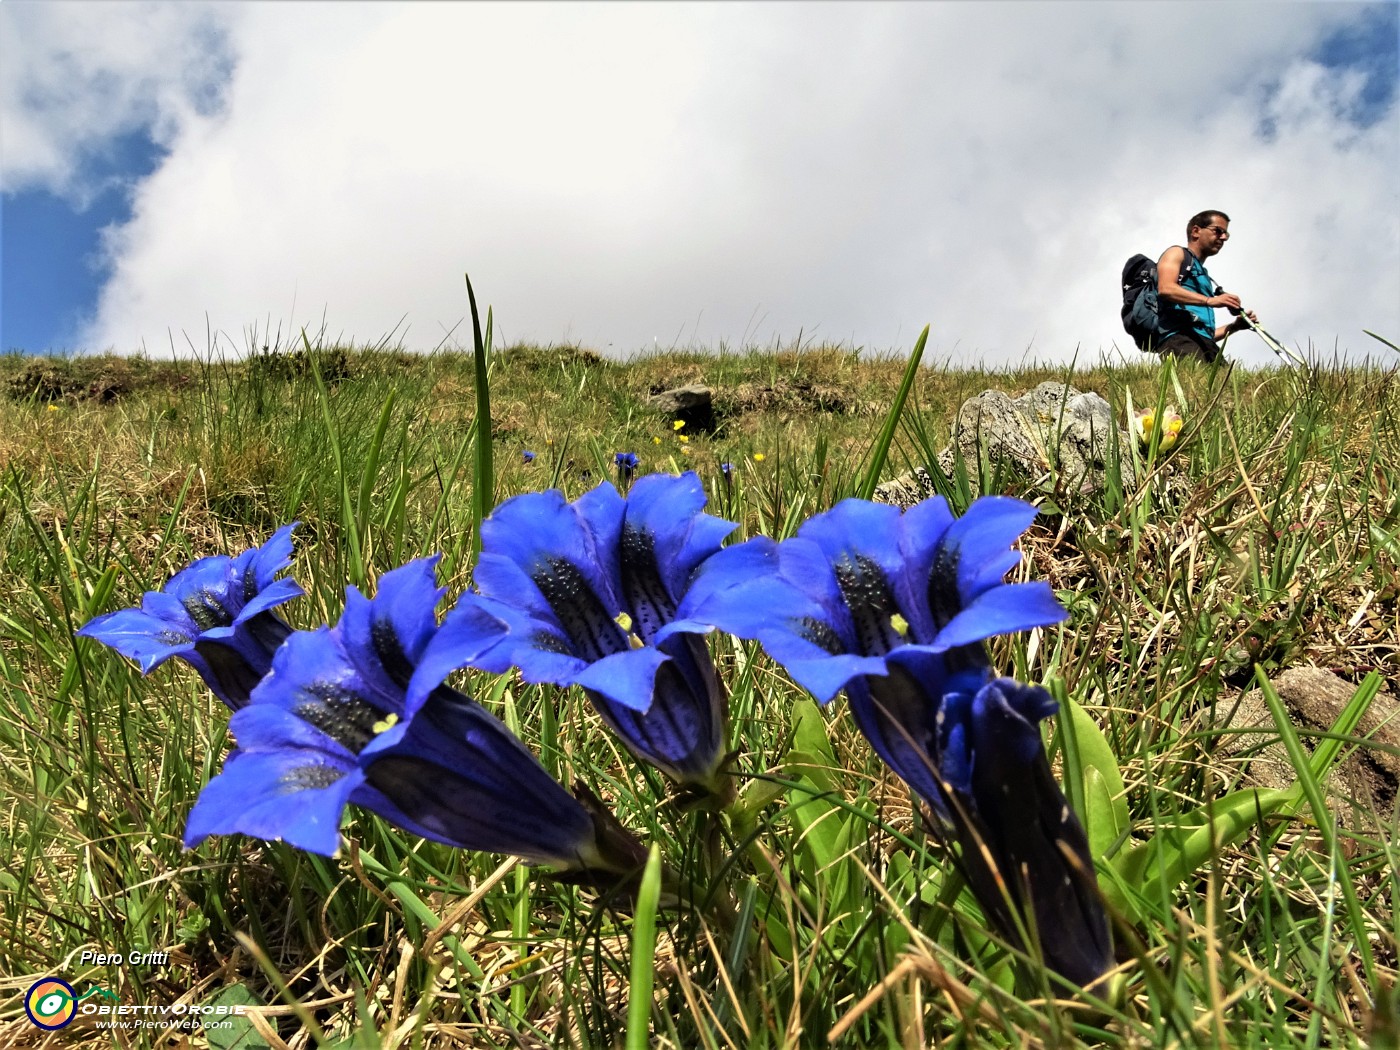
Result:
x=484 y=483
x=1326 y=826
x=643 y=974
x=882 y=443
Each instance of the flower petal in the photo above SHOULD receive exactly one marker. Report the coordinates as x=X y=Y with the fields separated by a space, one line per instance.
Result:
x=737 y=591
x=1003 y=610
x=140 y=636
x=267 y=561
x=297 y=795
x=858 y=526
x=625 y=678
x=275 y=593
x=667 y=508
x=681 y=732
x=921 y=531
x=899 y=714
x=976 y=546
x=313 y=679
x=538 y=531
x=825 y=676
x=457 y=775
x=384 y=636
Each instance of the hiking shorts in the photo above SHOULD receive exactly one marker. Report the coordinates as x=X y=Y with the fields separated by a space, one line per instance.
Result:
x=1183 y=346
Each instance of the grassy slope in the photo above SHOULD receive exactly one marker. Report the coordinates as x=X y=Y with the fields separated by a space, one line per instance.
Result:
x=1269 y=536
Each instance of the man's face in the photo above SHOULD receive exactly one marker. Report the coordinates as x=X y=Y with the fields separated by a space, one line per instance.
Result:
x=1214 y=235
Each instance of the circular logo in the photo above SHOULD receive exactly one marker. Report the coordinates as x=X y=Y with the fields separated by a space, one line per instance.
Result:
x=50 y=1003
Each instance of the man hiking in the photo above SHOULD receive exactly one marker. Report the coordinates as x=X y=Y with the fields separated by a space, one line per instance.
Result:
x=1187 y=297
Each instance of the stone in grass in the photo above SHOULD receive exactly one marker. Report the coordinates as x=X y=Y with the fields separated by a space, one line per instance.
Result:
x=1052 y=425
x=1361 y=790
x=692 y=405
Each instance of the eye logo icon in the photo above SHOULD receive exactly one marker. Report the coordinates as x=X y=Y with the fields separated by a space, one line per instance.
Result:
x=51 y=1003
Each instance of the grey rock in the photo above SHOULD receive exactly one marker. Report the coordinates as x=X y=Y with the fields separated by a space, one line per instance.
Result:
x=692 y=404
x=1051 y=428
x=906 y=490
x=1359 y=789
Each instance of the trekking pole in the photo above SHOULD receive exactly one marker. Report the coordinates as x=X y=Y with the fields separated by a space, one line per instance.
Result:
x=1286 y=355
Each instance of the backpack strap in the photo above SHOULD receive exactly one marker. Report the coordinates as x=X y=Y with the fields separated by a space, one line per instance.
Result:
x=1188 y=264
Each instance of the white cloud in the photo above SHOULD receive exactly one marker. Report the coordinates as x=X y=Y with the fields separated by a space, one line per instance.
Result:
x=75 y=76
x=737 y=173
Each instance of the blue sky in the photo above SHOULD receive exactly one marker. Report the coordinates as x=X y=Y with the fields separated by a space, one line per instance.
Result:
x=50 y=247
x=845 y=172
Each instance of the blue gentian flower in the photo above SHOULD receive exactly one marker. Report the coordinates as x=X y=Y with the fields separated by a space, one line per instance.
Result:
x=215 y=614
x=527 y=456
x=330 y=726
x=626 y=465
x=1016 y=828
x=894 y=609
x=594 y=593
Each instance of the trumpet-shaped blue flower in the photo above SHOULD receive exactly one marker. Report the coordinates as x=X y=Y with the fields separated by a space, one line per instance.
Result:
x=626 y=463
x=894 y=608
x=1024 y=852
x=594 y=593
x=216 y=615
x=330 y=726
x=878 y=603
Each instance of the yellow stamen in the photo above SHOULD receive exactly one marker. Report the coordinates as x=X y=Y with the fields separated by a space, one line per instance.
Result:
x=900 y=625
x=624 y=621
x=385 y=723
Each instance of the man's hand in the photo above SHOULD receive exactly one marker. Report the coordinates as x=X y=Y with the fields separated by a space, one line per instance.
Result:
x=1228 y=300
x=1240 y=324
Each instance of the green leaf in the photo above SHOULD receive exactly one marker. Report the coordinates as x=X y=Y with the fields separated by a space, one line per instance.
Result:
x=809 y=739
x=1309 y=783
x=1100 y=815
x=818 y=824
x=1156 y=868
x=643 y=955
x=1105 y=798
x=886 y=436
x=240 y=1034
x=484 y=484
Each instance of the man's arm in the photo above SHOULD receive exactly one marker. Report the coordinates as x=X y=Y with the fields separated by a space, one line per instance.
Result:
x=1168 y=290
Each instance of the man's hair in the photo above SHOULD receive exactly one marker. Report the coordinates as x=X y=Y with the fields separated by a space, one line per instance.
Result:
x=1203 y=218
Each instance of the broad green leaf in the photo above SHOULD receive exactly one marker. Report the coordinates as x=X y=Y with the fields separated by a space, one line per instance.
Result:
x=1105 y=812
x=240 y=1034
x=1157 y=867
x=809 y=733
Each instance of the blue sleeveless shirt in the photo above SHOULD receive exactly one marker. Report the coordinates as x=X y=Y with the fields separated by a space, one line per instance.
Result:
x=1195 y=320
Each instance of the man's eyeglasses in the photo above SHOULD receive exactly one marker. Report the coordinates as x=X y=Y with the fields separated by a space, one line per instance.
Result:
x=1219 y=231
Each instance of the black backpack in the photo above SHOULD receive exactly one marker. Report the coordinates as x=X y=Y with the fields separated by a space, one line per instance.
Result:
x=1140 y=313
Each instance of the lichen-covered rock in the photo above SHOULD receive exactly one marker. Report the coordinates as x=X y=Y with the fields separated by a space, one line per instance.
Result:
x=1053 y=429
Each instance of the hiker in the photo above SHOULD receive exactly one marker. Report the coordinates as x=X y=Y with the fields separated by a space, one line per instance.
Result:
x=1187 y=297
